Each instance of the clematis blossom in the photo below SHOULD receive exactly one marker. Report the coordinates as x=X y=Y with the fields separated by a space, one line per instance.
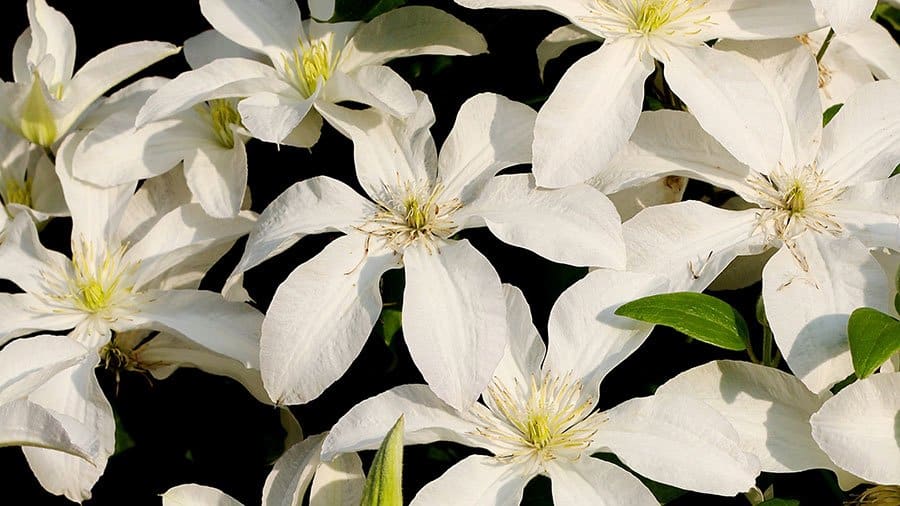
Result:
x=45 y=100
x=827 y=201
x=792 y=429
x=283 y=70
x=127 y=272
x=540 y=417
x=595 y=107
x=452 y=306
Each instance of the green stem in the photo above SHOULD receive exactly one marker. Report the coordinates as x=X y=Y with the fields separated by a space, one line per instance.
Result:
x=825 y=45
x=767 y=346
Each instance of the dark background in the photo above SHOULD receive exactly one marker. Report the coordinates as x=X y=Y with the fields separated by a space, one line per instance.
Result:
x=200 y=428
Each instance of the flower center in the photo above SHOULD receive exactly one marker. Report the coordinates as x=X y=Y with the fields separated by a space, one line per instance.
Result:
x=546 y=422
x=100 y=282
x=417 y=213
x=794 y=201
x=37 y=123
x=223 y=114
x=879 y=495
x=647 y=17
x=17 y=192
x=308 y=63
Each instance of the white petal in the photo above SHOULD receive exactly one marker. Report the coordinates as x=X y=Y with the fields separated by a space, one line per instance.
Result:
x=454 y=319
x=474 y=481
x=569 y=8
x=316 y=205
x=191 y=494
x=858 y=428
x=218 y=177
x=845 y=16
x=490 y=134
x=575 y=225
x=524 y=348
x=558 y=42
x=26 y=364
x=229 y=328
x=871 y=212
x=426 y=419
x=808 y=305
x=590 y=114
x=791 y=76
x=155 y=198
x=208 y=46
x=593 y=481
x=373 y=85
x=24 y=423
x=75 y=393
x=52 y=34
x=335 y=299
x=585 y=336
x=689 y=242
x=679 y=441
x=271 y=117
x=286 y=484
x=729 y=101
x=875 y=45
x=410 y=31
x=321 y=9
x=339 y=482
x=24 y=260
x=665 y=190
x=269 y=26
x=21 y=72
x=770 y=410
x=760 y=20
x=861 y=143
x=306 y=134
x=223 y=78
x=108 y=69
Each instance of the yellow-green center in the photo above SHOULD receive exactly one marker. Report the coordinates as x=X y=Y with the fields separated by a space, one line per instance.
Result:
x=654 y=14
x=309 y=63
x=37 y=123
x=223 y=114
x=794 y=200
x=18 y=192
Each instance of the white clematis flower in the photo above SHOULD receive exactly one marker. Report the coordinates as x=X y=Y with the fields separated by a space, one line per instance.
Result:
x=595 y=106
x=129 y=269
x=823 y=205
x=539 y=416
x=207 y=138
x=792 y=429
x=46 y=101
x=453 y=308
x=293 y=68
x=845 y=16
x=25 y=365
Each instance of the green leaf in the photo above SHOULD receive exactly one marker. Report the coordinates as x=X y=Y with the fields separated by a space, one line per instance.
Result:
x=830 y=113
x=700 y=316
x=874 y=337
x=889 y=14
x=362 y=10
x=123 y=438
x=780 y=502
x=391 y=320
x=383 y=485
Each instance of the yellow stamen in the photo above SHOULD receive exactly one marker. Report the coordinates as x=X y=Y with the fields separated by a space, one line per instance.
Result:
x=37 y=123
x=17 y=193
x=223 y=114
x=308 y=63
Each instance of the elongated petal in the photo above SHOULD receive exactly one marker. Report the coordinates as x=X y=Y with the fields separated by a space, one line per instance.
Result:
x=568 y=8
x=857 y=428
x=593 y=481
x=24 y=423
x=191 y=494
x=26 y=364
x=271 y=26
x=525 y=349
x=271 y=117
x=679 y=441
x=476 y=480
x=770 y=410
x=590 y=114
x=108 y=69
x=558 y=41
x=861 y=143
x=845 y=16
x=426 y=418
x=410 y=31
x=672 y=142
x=377 y=86
x=286 y=484
x=665 y=190
x=790 y=74
x=76 y=394
x=339 y=482
x=334 y=298
x=454 y=319
x=222 y=78
x=313 y=206
x=585 y=336
x=208 y=46
x=874 y=44
x=808 y=302
x=218 y=177
x=754 y=20
x=728 y=100
x=157 y=197
x=490 y=134
x=51 y=34
x=24 y=260
x=690 y=242
x=576 y=225
x=871 y=213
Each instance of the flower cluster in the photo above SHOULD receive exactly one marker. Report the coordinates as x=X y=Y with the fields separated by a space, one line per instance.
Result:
x=783 y=114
